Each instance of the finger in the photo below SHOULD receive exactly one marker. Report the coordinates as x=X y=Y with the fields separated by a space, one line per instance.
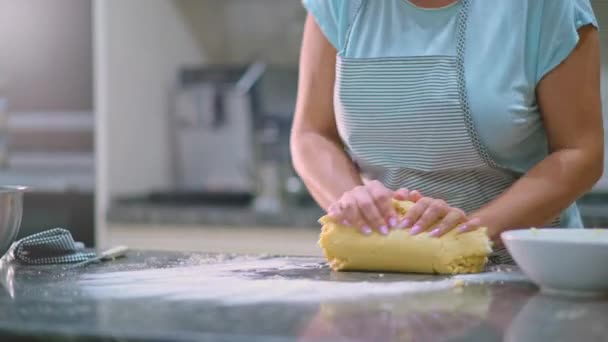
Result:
x=470 y=225
x=415 y=196
x=369 y=211
x=384 y=202
x=334 y=211
x=352 y=214
x=436 y=210
x=414 y=213
x=402 y=195
x=449 y=222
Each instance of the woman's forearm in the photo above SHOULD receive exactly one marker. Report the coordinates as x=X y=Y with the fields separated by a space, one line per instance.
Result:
x=317 y=152
x=324 y=167
x=544 y=192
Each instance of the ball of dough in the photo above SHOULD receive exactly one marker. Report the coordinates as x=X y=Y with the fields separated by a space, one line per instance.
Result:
x=346 y=249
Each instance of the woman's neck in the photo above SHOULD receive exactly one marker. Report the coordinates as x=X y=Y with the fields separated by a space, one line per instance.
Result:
x=432 y=3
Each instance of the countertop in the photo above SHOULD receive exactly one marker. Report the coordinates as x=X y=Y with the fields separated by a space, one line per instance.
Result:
x=170 y=296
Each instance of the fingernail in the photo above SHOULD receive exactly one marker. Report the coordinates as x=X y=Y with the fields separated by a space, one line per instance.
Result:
x=462 y=228
x=392 y=221
x=344 y=222
x=415 y=230
x=404 y=224
x=366 y=230
x=383 y=230
x=435 y=232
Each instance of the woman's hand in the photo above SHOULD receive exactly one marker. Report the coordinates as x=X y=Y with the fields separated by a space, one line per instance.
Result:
x=370 y=207
x=430 y=211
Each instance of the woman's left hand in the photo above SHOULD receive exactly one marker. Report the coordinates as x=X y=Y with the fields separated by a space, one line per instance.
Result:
x=427 y=211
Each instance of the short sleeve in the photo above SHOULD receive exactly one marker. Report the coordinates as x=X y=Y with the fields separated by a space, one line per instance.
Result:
x=333 y=17
x=561 y=20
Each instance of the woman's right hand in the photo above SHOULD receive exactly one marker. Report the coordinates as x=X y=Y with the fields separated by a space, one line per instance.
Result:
x=370 y=207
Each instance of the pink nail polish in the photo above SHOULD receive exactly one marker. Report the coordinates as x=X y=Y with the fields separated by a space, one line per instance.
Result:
x=383 y=230
x=435 y=232
x=462 y=228
x=415 y=230
x=344 y=222
x=366 y=230
x=404 y=224
x=392 y=221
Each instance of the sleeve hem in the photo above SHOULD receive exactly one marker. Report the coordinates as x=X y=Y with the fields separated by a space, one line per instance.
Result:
x=571 y=44
x=313 y=9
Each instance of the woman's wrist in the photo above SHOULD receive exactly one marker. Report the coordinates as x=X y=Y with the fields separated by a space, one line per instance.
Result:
x=492 y=223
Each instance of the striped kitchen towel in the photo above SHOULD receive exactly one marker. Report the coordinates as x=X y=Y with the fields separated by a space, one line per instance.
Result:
x=53 y=246
x=500 y=256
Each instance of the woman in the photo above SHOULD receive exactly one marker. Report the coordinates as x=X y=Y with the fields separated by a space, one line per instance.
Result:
x=485 y=113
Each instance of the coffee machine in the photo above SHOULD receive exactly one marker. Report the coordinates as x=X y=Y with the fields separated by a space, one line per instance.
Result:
x=212 y=129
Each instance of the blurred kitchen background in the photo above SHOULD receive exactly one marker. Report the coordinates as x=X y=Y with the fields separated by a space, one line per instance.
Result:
x=164 y=124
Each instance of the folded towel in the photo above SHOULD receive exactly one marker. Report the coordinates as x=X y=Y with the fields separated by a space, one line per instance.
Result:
x=54 y=246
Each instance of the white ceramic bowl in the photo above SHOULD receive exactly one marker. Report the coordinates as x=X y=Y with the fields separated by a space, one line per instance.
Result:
x=564 y=261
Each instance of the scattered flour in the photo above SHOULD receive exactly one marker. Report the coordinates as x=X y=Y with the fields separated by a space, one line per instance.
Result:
x=238 y=281
x=458 y=283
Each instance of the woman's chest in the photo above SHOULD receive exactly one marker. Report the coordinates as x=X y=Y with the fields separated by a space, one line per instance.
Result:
x=442 y=80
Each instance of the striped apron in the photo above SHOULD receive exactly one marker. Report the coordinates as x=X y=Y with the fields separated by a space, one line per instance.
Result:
x=406 y=122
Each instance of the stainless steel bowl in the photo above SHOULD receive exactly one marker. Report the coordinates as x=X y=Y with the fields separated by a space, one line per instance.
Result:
x=11 y=212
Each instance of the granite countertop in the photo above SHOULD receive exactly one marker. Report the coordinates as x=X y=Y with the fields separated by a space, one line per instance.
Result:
x=166 y=296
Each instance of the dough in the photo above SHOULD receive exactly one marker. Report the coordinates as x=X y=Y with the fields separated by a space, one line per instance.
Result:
x=346 y=249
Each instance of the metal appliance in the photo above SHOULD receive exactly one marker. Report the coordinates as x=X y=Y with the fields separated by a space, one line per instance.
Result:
x=213 y=131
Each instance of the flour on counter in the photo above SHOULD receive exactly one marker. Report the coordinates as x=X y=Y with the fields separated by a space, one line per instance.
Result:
x=251 y=280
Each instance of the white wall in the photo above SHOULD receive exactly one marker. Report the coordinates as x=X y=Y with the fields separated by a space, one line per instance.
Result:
x=239 y=31
x=45 y=55
x=139 y=45
x=267 y=29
